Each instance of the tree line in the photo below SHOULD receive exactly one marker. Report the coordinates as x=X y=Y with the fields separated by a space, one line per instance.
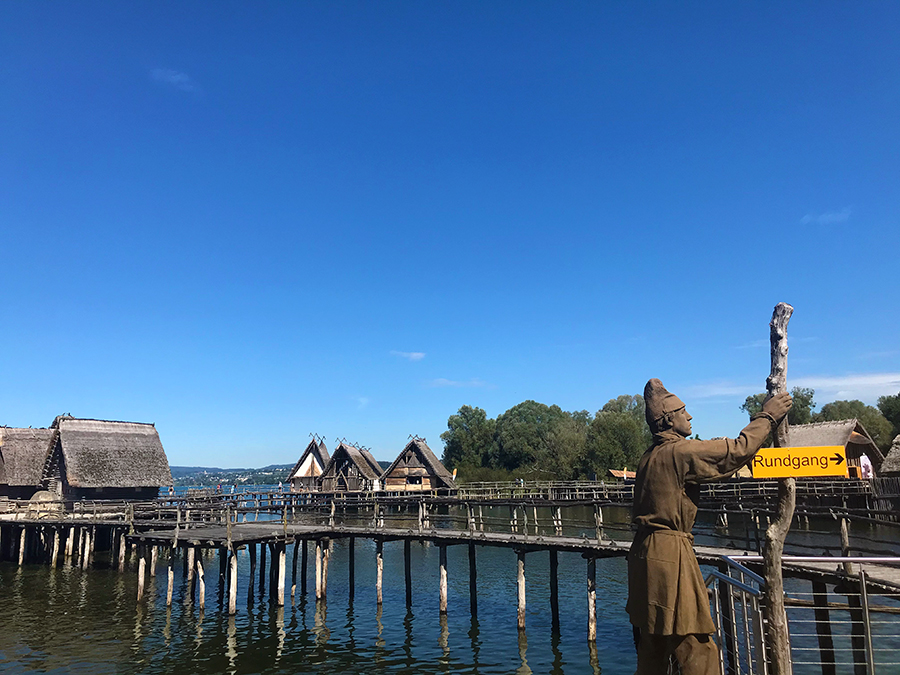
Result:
x=535 y=441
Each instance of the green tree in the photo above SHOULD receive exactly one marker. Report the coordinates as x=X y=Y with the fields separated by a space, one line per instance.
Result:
x=524 y=435
x=468 y=439
x=871 y=418
x=801 y=411
x=890 y=408
x=615 y=440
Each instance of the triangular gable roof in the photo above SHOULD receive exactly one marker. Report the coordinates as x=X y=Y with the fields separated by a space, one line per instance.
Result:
x=428 y=458
x=362 y=459
x=891 y=463
x=319 y=451
x=100 y=453
x=23 y=453
x=838 y=432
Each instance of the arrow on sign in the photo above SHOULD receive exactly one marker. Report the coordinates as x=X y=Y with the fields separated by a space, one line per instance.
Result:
x=838 y=458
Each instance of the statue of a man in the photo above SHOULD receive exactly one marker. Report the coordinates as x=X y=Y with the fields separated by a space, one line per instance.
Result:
x=667 y=600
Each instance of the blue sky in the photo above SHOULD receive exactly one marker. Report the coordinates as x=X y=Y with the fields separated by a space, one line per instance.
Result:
x=246 y=222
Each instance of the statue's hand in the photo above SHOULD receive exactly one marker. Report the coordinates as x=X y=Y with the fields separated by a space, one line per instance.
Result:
x=778 y=406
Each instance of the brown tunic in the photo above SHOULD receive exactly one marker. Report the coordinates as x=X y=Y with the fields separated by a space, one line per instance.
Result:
x=666 y=593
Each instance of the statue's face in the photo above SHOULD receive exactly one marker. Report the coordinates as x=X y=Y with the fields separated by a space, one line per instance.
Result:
x=681 y=422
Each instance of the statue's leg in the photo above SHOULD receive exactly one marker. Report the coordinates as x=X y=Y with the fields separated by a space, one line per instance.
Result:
x=697 y=655
x=653 y=652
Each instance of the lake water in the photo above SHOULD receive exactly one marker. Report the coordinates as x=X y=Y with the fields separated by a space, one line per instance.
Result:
x=72 y=621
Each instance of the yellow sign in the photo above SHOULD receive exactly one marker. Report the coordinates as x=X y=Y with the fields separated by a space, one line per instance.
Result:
x=827 y=460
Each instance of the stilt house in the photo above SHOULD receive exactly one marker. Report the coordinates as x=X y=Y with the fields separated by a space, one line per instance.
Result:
x=848 y=433
x=417 y=469
x=23 y=453
x=305 y=474
x=96 y=459
x=350 y=469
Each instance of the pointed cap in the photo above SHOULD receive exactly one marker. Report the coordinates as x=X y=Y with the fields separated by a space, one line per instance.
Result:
x=659 y=401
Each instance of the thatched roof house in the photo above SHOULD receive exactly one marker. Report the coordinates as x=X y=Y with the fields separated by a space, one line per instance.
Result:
x=891 y=464
x=417 y=468
x=848 y=433
x=100 y=459
x=350 y=469
x=23 y=453
x=309 y=467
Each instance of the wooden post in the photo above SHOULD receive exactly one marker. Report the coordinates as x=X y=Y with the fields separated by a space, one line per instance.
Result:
x=262 y=567
x=55 y=552
x=592 y=598
x=201 y=584
x=326 y=558
x=823 y=628
x=318 y=569
x=153 y=554
x=351 y=553
x=845 y=545
x=282 y=562
x=407 y=571
x=122 y=548
x=554 y=588
x=473 y=581
x=303 y=573
x=442 y=551
x=294 y=569
x=776 y=383
x=379 y=570
x=252 y=550
x=86 y=549
x=520 y=586
x=232 y=583
x=70 y=542
x=190 y=563
x=22 y=543
x=170 y=576
x=142 y=570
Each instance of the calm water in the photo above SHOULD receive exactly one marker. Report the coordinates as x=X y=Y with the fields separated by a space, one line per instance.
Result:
x=69 y=621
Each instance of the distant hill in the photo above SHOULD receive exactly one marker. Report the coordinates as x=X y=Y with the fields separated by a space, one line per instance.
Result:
x=211 y=475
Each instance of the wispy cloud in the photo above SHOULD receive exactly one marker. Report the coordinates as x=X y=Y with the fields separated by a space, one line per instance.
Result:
x=865 y=387
x=174 y=78
x=758 y=344
x=361 y=402
x=444 y=382
x=721 y=389
x=879 y=355
x=828 y=218
x=410 y=356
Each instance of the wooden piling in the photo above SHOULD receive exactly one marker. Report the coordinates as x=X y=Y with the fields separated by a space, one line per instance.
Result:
x=201 y=583
x=262 y=567
x=318 y=569
x=70 y=542
x=554 y=588
x=379 y=570
x=473 y=582
x=252 y=550
x=86 y=549
x=326 y=559
x=407 y=570
x=520 y=586
x=294 y=569
x=190 y=563
x=154 y=552
x=22 y=543
x=592 y=598
x=823 y=628
x=303 y=572
x=443 y=578
x=170 y=576
x=122 y=548
x=55 y=552
x=232 y=584
x=282 y=561
x=142 y=568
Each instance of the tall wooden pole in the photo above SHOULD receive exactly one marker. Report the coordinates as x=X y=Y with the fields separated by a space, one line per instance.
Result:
x=379 y=571
x=520 y=586
x=779 y=638
x=232 y=582
x=443 y=578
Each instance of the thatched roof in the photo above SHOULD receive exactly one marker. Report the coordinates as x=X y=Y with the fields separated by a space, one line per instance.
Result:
x=428 y=459
x=98 y=453
x=23 y=453
x=363 y=460
x=319 y=452
x=891 y=463
x=849 y=433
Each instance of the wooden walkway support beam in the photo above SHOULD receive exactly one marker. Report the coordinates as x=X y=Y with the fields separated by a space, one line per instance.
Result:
x=407 y=570
x=351 y=551
x=443 y=578
x=592 y=598
x=142 y=569
x=473 y=582
x=282 y=562
x=520 y=587
x=554 y=588
x=232 y=583
x=318 y=569
x=379 y=571
x=201 y=583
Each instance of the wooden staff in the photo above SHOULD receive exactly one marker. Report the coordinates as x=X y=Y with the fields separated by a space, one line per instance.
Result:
x=779 y=638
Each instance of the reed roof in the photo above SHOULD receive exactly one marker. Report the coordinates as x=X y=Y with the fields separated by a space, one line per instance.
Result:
x=23 y=453
x=435 y=467
x=363 y=460
x=891 y=463
x=99 y=453
x=840 y=432
x=318 y=450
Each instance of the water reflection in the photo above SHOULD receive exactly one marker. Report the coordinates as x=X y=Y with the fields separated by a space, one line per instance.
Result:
x=523 y=669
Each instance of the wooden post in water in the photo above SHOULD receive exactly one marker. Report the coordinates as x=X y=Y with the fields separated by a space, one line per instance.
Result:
x=520 y=587
x=554 y=588
x=351 y=553
x=232 y=583
x=379 y=570
x=823 y=627
x=262 y=566
x=22 y=543
x=86 y=549
x=473 y=581
x=442 y=550
x=252 y=550
x=407 y=570
x=303 y=572
x=190 y=564
x=122 y=548
x=326 y=558
x=70 y=542
x=201 y=583
x=142 y=568
x=282 y=562
x=592 y=598
x=318 y=569
x=170 y=576
x=154 y=552
x=55 y=552
x=294 y=568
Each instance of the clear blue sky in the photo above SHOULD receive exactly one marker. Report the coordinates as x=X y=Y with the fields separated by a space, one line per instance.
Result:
x=246 y=222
